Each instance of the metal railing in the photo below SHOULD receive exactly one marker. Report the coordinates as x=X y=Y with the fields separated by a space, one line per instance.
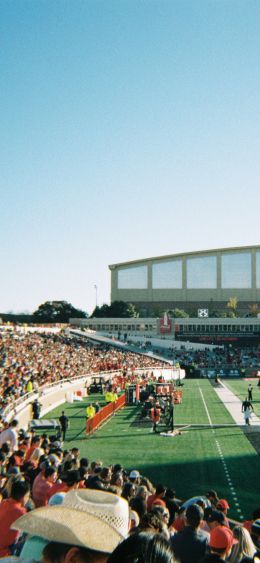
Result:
x=25 y=399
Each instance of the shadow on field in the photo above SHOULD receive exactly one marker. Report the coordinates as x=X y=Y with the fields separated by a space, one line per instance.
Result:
x=82 y=416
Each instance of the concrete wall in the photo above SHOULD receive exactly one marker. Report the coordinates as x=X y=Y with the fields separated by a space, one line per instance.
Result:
x=49 y=397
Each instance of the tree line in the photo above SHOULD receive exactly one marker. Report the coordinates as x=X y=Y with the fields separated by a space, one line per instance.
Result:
x=62 y=312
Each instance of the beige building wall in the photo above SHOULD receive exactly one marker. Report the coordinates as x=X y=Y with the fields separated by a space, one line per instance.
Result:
x=226 y=262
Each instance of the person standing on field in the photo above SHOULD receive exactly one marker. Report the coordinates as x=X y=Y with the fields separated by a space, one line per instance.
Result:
x=64 y=425
x=250 y=392
x=247 y=409
x=90 y=411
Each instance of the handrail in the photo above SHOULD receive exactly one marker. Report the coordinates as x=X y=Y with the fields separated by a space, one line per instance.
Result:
x=43 y=389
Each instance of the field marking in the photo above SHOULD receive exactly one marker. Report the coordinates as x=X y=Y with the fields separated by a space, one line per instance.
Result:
x=206 y=409
x=222 y=459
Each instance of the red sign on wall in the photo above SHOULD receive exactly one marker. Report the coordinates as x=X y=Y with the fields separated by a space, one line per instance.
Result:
x=165 y=324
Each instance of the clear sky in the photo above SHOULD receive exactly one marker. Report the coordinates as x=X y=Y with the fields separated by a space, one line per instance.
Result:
x=129 y=129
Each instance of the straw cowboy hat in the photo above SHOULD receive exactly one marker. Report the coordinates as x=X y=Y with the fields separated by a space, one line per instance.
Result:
x=89 y=518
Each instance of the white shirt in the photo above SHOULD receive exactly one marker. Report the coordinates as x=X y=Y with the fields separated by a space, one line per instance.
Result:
x=9 y=435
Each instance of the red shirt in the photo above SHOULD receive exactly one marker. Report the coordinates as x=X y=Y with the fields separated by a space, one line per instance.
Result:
x=30 y=451
x=179 y=524
x=40 y=489
x=57 y=488
x=248 y=525
x=10 y=510
x=154 y=499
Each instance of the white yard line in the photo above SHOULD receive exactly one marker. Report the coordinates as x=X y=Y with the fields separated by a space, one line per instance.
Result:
x=206 y=409
x=222 y=459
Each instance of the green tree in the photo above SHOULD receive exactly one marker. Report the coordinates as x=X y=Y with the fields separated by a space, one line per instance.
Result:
x=101 y=312
x=117 y=309
x=57 y=312
x=231 y=314
x=232 y=304
x=253 y=310
x=178 y=313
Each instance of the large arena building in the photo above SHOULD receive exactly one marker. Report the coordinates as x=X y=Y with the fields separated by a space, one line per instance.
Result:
x=194 y=280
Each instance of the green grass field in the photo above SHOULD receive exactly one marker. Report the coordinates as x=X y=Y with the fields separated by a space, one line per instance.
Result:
x=239 y=388
x=199 y=459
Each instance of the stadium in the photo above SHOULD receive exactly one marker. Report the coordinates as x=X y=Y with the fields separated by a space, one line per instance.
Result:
x=150 y=418
x=204 y=279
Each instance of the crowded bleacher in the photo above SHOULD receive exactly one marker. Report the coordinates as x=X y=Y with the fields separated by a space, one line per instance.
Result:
x=233 y=357
x=29 y=360
x=56 y=505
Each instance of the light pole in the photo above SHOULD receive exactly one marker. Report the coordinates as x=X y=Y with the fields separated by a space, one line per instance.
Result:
x=95 y=286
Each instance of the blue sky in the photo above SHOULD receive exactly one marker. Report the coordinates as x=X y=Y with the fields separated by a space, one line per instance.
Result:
x=129 y=129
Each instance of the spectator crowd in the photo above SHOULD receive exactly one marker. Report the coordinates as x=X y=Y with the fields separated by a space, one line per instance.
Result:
x=240 y=358
x=58 y=506
x=31 y=360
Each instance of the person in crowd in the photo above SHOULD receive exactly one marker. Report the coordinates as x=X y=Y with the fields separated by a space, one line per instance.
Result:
x=10 y=436
x=255 y=534
x=223 y=506
x=214 y=518
x=101 y=480
x=43 y=483
x=105 y=475
x=128 y=492
x=117 y=481
x=190 y=545
x=117 y=468
x=255 y=516
x=36 y=457
x=158 y=497
x=171 y=504
x=212 y=496
x=25 y=443
x=11 y=509
x=134 y=477
x=60 y=486
x=180 y=519
x=134 y=521
x=85 y=528
x=73 y=456
x=220 y=543
x=32 y=468
x=147 y=483
x=15 y=462
x=94 y=481
x=150 y=522
x=244 y=547
x=94 y=465
x=139 y=501
x=144 y=547
x=164 y=515
x=35 y=443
